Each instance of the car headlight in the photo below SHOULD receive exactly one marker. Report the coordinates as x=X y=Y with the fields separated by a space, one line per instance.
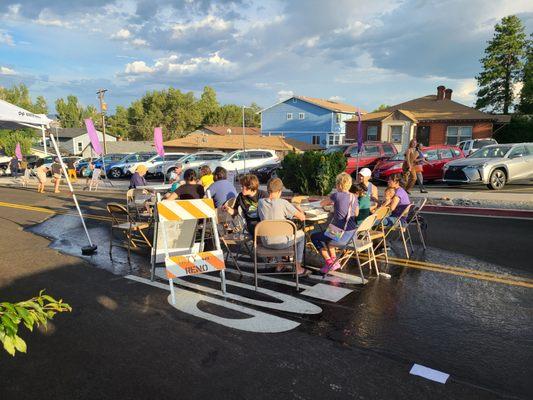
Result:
x=476 y=166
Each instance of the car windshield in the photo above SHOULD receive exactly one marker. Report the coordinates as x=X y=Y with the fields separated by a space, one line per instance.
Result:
x=397 y=157
x=155 y=158
x=228 y=156
x=334 y=149
x=129 y=157
x=146 y=156
x=491 y=152
x=478 y=144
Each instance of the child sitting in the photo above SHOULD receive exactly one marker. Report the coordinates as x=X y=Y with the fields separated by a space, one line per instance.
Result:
x=206 y=176
x=345 y=211
x=388 y=196
x=361 y=191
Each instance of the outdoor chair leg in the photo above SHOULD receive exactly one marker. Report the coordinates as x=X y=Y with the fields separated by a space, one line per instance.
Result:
x=404 y=244
x=409 y=237
x=375 y=261
x=419 y=228
x=172 y=294
x=360 y=269
x=385 y=250
x=255 y=271
x=111 y=245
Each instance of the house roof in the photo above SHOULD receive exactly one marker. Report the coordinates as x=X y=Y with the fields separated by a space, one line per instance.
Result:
x=235 y=142
x=233 y=130
x=127 y=146
x=327 y=104
x=69 y=132
x=428 y=108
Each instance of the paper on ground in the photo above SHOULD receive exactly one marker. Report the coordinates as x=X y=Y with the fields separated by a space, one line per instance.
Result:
x=429 y=373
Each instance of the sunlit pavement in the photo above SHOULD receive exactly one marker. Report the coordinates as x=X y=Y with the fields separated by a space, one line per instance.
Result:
x=462 y=307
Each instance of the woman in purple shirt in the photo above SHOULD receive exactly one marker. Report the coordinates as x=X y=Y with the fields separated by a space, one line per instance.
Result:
x=399 y=202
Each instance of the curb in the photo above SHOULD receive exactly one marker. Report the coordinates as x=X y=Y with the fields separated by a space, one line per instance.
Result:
x=493 y=212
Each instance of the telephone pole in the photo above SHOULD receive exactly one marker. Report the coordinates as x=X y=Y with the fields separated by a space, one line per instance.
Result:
x=103 y=109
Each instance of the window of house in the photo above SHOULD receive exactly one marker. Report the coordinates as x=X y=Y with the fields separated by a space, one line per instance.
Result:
x=396 y=133
x=294 y=100
x=372 y=133
x=301 y=116
x=456 y=134
x=80 y=146
x=334 y=139
x=338 y=118
x=316 y=139
x=289 y=116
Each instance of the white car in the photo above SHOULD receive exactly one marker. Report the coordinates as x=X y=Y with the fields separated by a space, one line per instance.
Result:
x=129 y=166
x=471 y=145
x=196 y=160
x=160 y=164
x=241 y=161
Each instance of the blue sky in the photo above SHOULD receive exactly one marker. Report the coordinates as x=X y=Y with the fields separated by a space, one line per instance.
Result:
x=359 y=52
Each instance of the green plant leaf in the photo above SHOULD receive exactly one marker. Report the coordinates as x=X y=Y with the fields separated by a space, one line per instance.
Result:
x=9 y=345
x=20 y=344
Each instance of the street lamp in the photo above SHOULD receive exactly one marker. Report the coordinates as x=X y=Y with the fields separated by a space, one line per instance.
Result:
x=243 y=137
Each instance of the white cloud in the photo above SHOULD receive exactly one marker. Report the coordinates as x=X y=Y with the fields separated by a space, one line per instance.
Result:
x=7 y=71
x=122 y=34
x=210 y=22
x=6 y=38
x=139 y=42
x=285 y=94
x=49 y=21
x=172 y=65
x=465 y=90
x=336 y=98
x=137 y=68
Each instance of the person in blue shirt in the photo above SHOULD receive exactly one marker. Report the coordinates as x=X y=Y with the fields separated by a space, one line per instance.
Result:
x=221 y=190
x=137 y=179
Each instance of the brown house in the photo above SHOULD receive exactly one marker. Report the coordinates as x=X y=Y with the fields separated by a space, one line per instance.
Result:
x=223 y=130
x=432 y=119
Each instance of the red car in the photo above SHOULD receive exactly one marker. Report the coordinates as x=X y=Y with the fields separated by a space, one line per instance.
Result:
x=437 y=156
x=371 y=154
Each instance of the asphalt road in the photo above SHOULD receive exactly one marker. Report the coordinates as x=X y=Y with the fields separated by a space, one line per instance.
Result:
x=123 y=339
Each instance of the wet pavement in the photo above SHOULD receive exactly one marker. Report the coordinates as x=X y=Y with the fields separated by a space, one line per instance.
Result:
x=361 y=346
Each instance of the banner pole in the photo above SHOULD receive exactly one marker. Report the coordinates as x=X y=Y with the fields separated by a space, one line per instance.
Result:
x=92 y=247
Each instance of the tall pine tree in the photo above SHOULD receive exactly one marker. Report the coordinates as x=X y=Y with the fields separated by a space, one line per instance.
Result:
x=526 y=94
x=502 y=65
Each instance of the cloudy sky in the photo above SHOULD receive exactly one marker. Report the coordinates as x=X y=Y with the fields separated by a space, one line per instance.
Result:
x=360 y=52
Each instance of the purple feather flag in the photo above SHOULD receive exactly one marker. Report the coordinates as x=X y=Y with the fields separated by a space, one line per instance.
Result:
x=93 y=136
x=18 y=152
x=359 y=132
x=158 y=141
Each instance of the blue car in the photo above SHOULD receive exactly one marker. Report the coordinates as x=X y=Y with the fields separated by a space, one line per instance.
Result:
x=109 y=160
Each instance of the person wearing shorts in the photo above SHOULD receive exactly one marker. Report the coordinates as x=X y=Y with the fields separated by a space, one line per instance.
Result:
x=56 y=173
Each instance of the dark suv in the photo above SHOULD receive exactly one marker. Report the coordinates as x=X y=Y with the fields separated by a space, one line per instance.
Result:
x=370 y=154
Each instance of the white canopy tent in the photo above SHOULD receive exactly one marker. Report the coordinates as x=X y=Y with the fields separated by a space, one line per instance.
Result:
x=14 y=117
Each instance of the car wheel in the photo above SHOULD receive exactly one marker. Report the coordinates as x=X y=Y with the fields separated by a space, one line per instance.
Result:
x=497 y=179
x=115 y=173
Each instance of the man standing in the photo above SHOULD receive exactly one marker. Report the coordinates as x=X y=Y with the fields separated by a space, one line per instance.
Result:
x=14 y=166
x=56 y=173
x=409 y=166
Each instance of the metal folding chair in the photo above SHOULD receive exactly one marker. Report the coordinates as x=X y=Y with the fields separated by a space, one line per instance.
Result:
x=95 y=179
x=273 y=228
x=122 y=221
x=378 y=232
x=361 y=242
x=401 y=227
x=416 y=219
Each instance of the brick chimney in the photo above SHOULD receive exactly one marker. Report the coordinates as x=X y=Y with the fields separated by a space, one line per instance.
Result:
x=448 y=94
x=440 y=92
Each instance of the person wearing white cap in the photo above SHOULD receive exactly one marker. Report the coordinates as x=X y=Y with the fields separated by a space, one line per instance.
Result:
x=364 y=178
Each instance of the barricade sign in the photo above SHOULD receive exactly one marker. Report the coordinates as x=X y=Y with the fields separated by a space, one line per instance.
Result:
x=194 y=260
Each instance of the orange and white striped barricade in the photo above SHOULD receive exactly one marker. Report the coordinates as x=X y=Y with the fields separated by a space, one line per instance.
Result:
x=192 y=263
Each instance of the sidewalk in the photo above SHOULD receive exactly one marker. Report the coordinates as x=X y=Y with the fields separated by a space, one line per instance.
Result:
x=106 y=185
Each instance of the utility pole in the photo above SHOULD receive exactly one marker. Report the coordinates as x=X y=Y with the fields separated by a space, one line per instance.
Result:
x=103 y=109
x=244 y=138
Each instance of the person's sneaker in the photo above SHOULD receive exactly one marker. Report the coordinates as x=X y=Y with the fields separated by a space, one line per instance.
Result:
x=336 y=265
x=325 y=269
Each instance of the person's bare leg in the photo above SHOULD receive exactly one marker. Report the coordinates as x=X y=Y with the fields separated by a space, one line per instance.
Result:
x=325 y=253
x=332 y=252
x=56 y=185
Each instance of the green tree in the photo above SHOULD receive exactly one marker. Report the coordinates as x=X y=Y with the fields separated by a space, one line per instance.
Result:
x=502 y=65
x=118 y=124
x=526 y=94
x=519 y=130
x=381 y=107
x=208 y=105
x=36 y=311
x=70 y=112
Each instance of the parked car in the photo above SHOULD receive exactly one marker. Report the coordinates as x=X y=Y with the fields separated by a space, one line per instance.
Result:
x=337 y=148
x=128 y=164
x=109 y=160
x=371 y=153
x=493 y=165
x=266 y=172
x=437 y=156
x=196 y=160
x=161 y=166
x=242 y=161
x=471 y=145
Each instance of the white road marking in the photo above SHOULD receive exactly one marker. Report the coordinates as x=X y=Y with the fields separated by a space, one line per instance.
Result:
x=288 y=304
x=337 y=277
x=324 y=292
x=258 y=321
x=429 y=373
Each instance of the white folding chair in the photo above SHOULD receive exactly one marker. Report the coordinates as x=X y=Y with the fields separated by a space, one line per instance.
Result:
x=95 y=179
x=401 y=227
x=416 y=219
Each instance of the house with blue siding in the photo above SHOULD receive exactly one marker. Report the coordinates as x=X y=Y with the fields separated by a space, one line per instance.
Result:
x=308 y=119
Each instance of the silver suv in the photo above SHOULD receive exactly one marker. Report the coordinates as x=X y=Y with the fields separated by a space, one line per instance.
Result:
x=493 y=165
